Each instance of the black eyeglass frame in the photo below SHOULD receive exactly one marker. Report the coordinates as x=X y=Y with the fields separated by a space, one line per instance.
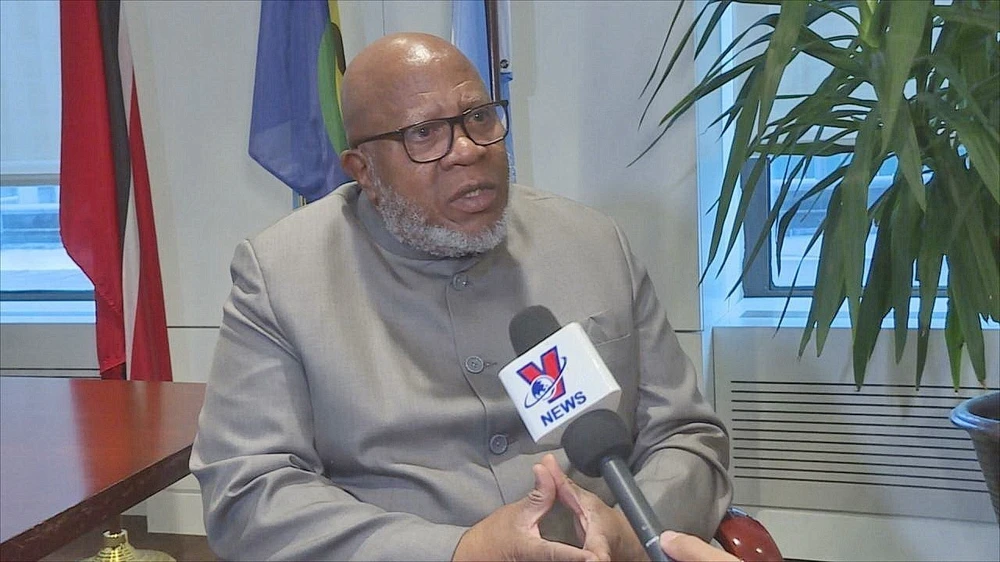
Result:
x=399 y=134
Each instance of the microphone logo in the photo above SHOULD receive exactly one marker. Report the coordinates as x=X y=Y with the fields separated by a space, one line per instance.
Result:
x=545 y=383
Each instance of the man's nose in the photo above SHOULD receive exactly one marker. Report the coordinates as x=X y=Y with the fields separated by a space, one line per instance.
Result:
x=463 y=150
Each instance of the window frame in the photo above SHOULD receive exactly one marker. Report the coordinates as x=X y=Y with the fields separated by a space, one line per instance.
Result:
x=758 y=280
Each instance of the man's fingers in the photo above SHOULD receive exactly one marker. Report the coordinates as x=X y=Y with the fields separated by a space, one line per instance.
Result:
x=557 y=551
x=539 y=501
x=598 y=544
x=687 y=548
x=549 y=461
x=566 y=489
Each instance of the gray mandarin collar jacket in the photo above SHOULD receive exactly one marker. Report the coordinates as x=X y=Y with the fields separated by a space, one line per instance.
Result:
x=353 y=410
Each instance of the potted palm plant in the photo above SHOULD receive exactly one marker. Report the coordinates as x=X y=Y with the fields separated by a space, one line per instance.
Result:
x=932 y=73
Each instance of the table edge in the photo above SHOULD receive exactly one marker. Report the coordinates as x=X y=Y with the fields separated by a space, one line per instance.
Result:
x=52 y=533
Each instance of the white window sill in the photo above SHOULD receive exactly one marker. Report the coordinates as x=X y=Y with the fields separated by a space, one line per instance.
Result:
x=47 y=312
x=765 y=312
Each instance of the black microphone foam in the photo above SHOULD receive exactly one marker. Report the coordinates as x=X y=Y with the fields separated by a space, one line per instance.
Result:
x=594 y=436
x=531 y=326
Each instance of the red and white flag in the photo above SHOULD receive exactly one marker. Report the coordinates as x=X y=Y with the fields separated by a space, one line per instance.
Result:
x=106 y=212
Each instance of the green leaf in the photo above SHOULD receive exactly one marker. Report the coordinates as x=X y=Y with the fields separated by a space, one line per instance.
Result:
x=788 y=298
x=957 y=13
x=830 y=277
x=825 y=7
x=983 y=155
x=779 y=53
x=963 y=296
x=832 y=179
x=954 y=340
x=707 y=87
x=712 y=23
x=737 y=155
x=874 y=305
x=963 y=92
x=804 y=148
x=776 y=206
x=936 y=239
x=984 y=269
x=904 y=143
x=869 y=31
x=851 y=231
x=906 y=240
x=700 y=91
x=785 y=189
x=906 y=29
x=741 y=98
x=749 y=186
x=673 y=59
x=929 y=275
x=825 y=50
x=663 y=48
x=791 y=139
x=722 y=62
x=820 y=108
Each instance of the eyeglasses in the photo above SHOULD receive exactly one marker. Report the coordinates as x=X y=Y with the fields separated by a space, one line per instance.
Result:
x=431 y=140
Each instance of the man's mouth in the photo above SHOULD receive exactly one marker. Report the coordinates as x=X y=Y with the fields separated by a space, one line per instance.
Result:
x=475 y=201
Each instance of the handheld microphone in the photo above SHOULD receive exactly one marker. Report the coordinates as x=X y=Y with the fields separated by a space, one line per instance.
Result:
x=557 y=375
x=574 y=378
x=597 y=444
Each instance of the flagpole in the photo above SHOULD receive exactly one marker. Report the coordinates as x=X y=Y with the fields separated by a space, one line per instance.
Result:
x=493 y=39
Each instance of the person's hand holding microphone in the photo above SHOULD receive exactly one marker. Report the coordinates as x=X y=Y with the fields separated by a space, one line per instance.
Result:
x=687 y=548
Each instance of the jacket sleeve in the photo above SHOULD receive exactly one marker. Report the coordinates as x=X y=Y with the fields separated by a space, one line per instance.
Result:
x=264 y=491
x=681 y=454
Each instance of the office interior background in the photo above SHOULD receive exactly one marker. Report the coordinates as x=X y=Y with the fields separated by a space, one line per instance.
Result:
x=578 y=70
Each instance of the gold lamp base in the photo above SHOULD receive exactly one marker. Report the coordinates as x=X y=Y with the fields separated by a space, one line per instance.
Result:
x=117 y=549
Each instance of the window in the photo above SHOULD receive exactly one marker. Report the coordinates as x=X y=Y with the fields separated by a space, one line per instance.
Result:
x=771 y=273
x=34 y=265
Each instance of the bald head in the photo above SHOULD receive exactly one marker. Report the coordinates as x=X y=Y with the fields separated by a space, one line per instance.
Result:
x=381 y=81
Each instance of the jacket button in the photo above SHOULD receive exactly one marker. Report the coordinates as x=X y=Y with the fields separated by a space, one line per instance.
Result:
x=498 y=444
x=460 y=281
x=474 y=364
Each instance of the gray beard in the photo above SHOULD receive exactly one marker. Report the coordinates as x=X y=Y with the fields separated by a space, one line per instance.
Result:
x=409 y=224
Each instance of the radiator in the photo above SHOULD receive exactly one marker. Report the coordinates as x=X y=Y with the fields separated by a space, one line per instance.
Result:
x=804 y=437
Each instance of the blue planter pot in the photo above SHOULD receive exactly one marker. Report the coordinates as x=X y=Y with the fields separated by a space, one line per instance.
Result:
x=980 y=416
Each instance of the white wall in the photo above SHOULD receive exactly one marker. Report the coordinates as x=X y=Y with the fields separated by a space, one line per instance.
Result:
x=579 y=70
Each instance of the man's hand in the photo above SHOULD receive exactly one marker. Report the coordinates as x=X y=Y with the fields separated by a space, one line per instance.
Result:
x=511 y=532
x=686 y=548
x=604 y=530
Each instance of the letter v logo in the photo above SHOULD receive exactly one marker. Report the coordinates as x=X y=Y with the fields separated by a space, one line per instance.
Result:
x=544 y=383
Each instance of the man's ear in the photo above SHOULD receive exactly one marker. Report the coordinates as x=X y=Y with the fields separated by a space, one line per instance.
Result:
x=356 y=165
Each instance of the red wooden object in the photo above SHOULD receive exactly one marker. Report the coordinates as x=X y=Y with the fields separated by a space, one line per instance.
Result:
x=745 y=538
x=76 y=452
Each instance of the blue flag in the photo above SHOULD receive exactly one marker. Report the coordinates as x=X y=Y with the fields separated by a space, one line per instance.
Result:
x=468 y=33
x=296 y=130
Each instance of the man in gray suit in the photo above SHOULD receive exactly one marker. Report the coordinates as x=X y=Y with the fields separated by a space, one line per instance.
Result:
x=353 y=409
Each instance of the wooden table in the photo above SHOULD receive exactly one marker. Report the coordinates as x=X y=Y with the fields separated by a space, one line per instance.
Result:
x=75 y=452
